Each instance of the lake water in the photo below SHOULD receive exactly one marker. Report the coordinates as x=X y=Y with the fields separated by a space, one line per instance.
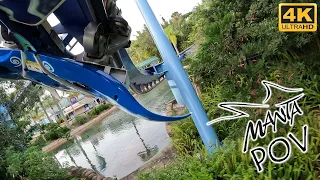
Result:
x=121 y=143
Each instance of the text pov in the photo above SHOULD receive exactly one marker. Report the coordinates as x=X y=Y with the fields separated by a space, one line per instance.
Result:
x=285 y=114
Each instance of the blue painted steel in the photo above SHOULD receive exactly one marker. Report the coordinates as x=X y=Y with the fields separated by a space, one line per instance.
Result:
x=73 y=21
x=136 y=75
x=74 y=16
x=175 y=90
x=93 y=80
x=182 y=57
x=174 y=65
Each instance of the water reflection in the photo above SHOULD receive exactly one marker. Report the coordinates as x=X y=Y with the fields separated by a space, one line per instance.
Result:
x=78 y=143
x=70 y=156
x=149 y=152
x=121 y=143
x=101 y=160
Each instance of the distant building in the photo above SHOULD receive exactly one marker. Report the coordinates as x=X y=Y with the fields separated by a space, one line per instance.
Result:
x=82 y=106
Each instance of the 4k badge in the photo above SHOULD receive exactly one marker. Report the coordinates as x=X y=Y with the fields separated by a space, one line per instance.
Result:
x=298 y=17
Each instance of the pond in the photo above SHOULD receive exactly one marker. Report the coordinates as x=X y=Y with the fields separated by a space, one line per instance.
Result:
x=120 y=143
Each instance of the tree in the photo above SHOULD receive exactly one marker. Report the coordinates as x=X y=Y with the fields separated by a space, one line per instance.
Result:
x=44 y=110
x=61 y=113
x=177 y=30
x=172 y=36
x=34 y=164
x=164 y=23
x=73 y=94
x=48 y=102
x=176 y=21
x=55 y=96
x=18 y=158
x=24 y=98
x=144 y=47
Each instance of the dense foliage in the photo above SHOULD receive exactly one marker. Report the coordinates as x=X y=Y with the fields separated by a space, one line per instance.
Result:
x=33 y=164
x=55 y=131
x=177 y=30
x=240 y=46
x=97 y=110
x=82 y=119
x=18 y=157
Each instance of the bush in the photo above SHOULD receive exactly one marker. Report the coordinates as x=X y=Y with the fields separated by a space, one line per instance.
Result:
x=97 y=110
x=39 y=142
x=60 y=120
x=92 y=113
x=33 y=164
x=240 y=46
x=54 y=131
x=80 y=120
x=185 y=136
x=230 y=163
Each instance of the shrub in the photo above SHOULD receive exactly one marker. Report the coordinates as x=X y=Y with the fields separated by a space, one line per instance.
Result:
x=60 y=120
x=92 y=113
x=39 y=142
x=80 y=120
x=97 y=110
x=230 y=163
x=54 y=131
x=239 y=47
x=102 y=107
x=185 y=136
x=33 y=164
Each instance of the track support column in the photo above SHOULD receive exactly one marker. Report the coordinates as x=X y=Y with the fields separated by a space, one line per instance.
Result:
x=179 y=76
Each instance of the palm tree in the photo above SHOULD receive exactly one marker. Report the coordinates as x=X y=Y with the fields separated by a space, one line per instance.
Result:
x=61 y=112
x=44 y=110
x=74 y=94
x=172 y=37
x=49 y=102
x=55 y=96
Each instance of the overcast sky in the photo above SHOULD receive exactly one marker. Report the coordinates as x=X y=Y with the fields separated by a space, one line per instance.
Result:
x=161 y=8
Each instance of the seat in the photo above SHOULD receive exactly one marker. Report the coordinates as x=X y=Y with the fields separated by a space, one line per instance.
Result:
x=29 y=12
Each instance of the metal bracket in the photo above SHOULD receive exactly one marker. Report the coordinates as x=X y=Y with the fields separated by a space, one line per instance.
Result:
x=160 y=68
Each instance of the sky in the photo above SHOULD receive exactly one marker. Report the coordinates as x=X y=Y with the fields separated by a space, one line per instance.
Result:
x=161 y=8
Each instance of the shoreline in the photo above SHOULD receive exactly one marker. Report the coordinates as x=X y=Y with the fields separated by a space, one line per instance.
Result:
x=79 y=130
x=160 y=160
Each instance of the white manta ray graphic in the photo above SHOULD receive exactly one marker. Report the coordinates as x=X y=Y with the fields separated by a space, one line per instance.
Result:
x=231 y=106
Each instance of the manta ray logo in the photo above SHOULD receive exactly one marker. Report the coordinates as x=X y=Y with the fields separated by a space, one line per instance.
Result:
x=48 y=66
x=258 y=129
x=230 y=106
x=15 y=61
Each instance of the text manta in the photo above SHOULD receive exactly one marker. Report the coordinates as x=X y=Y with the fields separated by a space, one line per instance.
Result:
x=285 y=114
